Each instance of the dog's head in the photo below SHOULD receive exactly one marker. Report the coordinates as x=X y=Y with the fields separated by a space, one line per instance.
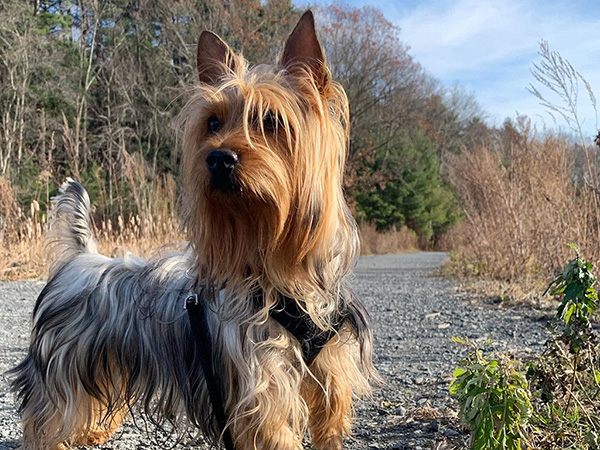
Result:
x=264 y=150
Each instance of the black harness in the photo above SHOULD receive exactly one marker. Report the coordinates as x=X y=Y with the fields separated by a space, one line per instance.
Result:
x=287 y=311
x=291 y=316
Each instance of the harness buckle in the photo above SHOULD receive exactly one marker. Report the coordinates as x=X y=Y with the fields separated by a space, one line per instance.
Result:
x=191 y=300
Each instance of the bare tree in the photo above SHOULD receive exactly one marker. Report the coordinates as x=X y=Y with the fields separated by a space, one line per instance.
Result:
x=16 y=45
x=386 y=88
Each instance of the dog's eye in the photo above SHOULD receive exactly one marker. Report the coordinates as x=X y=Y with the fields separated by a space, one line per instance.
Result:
x=270 y=121
x=214 y=124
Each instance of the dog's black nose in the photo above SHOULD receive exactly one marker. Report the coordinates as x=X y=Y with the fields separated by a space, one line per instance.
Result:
x=221 y=161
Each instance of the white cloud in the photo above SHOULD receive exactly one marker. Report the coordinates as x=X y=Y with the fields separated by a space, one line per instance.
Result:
x=489 y=46
x=465 y=36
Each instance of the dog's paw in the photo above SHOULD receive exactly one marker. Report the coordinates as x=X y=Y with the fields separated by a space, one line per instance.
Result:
x=332 y=441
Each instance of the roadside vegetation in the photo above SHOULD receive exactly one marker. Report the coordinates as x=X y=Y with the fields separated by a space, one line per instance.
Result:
x=526 y=193
x=550 y=401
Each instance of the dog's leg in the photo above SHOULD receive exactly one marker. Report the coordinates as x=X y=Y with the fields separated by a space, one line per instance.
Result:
x=48 y=423
x=57 y=428
x=40 y=433
x=328 y=394
x=269 y=413
x=275 y=430
x=99 y=419
x=102 y=425
x=57 y=412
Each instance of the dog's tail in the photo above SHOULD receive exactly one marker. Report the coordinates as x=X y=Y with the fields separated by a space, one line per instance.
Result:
x=69 y=233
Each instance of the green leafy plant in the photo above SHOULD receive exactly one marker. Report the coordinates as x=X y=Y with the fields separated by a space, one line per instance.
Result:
x=494 y=399
x=579 y=299
x=556 y=404
x=565 y=378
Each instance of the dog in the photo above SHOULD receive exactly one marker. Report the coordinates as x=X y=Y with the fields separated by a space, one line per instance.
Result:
x=269 y=231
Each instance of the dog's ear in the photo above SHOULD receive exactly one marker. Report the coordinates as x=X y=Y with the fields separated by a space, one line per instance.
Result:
x=214 y=58
x=303 y=50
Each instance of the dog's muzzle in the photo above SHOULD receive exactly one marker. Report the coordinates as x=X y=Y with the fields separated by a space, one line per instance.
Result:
x=222 y=164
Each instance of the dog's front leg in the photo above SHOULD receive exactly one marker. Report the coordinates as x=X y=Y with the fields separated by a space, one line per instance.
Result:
x=269 y=413
x=328 y=394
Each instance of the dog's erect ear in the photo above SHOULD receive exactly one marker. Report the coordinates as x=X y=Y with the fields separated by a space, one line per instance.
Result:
x=214 y=58
x=303 y=50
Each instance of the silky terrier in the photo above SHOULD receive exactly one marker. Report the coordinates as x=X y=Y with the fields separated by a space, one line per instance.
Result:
x=272 y=243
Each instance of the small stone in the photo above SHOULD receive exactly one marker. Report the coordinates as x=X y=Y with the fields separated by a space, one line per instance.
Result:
x=434 y=426
x=419 y=380
x=400 y=411
x=451 y=433
x=361 y=432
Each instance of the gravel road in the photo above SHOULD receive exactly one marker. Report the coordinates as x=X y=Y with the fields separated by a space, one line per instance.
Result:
x=414 y=311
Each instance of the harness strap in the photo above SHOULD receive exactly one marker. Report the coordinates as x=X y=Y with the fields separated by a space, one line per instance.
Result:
x=197 y=316
x=291 y=316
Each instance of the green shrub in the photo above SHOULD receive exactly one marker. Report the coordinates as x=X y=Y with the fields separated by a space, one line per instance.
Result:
x=494 y=399
x=411 y=191
x=565 y=378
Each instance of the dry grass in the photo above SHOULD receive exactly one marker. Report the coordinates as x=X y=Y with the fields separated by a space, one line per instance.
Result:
x=143 y=233
x=22 y=232
x=524 y=199
x=20 y=235
x=373 y=242
x=155 y=224
x=23 y=257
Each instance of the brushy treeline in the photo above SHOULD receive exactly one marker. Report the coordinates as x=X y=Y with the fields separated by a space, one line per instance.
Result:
x=524 y=198
x=525 y=195
x=92 y=88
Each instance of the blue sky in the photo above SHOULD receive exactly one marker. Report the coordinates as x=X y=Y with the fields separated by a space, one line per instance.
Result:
x=489 y=47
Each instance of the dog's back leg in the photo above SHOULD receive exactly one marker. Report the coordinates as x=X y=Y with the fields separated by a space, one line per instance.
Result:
x=58 y=410
x=102 y=424
x=102 y=412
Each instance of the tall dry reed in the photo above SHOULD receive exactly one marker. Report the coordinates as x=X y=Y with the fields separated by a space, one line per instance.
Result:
x=373 y=242
x=153 y=223
x=524 y=198
x=20 y=235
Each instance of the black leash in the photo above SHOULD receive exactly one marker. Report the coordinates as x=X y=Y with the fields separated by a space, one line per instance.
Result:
x=197 y=315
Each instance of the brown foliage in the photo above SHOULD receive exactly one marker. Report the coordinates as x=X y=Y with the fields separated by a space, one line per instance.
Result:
x=386 y=88
x=522 y=204
x=155 y=224
x=373 y=242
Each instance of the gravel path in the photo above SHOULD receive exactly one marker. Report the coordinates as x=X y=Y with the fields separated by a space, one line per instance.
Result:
x=414 y=314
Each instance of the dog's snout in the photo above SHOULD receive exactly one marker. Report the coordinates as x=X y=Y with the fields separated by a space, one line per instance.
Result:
x=221 y=164
x=221 y=161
